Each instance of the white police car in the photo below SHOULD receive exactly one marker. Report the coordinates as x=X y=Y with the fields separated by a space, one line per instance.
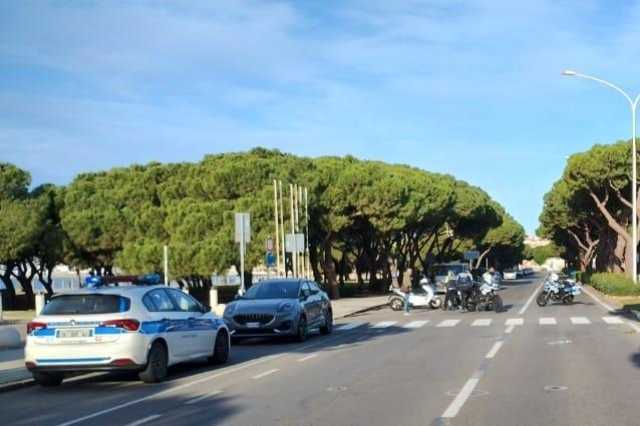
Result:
x=141 y=328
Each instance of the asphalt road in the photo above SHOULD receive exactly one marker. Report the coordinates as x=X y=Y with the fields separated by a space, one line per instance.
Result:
x=557 y=365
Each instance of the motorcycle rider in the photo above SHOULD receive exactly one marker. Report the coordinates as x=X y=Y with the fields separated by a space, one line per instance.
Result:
x=489 y=275
x=406 y=288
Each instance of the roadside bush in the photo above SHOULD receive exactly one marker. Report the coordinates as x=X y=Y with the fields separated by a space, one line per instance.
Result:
x=349 y=289
x=614 y=284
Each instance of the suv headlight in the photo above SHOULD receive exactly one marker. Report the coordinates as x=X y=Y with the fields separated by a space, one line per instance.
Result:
x=285 y=307
x=229 y=310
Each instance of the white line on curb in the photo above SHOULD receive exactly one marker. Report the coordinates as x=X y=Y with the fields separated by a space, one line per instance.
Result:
x=201 y=397
x=265 y=374
x=600 y=302
x=145 y=420
x=612 y=320
x=460 y=399
x=533 y=295
x=494 y=349
x=448 y=323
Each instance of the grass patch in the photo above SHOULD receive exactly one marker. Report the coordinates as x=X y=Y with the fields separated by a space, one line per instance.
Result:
x=614 y=284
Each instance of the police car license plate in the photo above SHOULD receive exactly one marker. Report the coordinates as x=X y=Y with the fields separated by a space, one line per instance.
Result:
x=74 y=333
x=253 y=325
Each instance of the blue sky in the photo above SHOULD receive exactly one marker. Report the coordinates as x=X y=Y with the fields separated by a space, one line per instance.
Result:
x=467 y=88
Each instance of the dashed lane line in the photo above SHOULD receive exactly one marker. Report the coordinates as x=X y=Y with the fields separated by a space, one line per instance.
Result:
x=533 y=295
x=494 y=349
x=202 y=397
x=144 y=420
x=265 y=374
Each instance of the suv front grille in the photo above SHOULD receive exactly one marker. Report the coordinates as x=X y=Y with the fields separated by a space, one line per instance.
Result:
x=261 y=318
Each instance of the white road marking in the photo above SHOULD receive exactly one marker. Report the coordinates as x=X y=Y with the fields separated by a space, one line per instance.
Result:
x=509 y=329
x=415 y=324
x=202 y=397
x=533 y=296
x=580 y=320
x=547 y=321
x=206 y=377
x=460 y=399
x=350 y=325
x=600 y=302
x=384 y=324
x=612 y=320
x=265 y=374
x=514 y=321
x=448 y=323
x=308 y=357
x=494 y=349
x=145 y=420
x=481 y=322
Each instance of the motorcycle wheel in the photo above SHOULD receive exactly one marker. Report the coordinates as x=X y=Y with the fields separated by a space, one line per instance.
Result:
x=498 y=306
x=568 y=299
x=435 y=303
x=471 y=306
x=396 y=304
x=541 y=300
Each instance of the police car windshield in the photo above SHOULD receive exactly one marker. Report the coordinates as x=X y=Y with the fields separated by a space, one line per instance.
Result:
x=274 y=290
x=86 y=304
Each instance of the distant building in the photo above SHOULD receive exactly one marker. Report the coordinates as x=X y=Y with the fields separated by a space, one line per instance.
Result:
x=535 y=241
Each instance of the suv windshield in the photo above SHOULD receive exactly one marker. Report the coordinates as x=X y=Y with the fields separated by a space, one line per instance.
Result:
x=86 y=304
x=274 y=290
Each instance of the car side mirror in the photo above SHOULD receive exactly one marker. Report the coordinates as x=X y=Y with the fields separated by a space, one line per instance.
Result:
x=205 y=309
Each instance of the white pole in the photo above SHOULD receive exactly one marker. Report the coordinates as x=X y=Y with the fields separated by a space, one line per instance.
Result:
x=634 y=178
x=634 y=190
x=306 y=215
x=275 y=202
x=293 y=234
x=282 y=231
x=166 y=264
x=242 y=256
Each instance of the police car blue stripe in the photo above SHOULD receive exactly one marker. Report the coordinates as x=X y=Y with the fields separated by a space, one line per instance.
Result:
x=69 y=360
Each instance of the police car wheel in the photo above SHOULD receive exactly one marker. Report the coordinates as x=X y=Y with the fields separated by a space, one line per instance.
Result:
x=220 y=349
x=156 y=369
x=48 y=379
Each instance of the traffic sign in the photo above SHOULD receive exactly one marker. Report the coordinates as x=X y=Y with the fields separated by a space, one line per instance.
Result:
x=243 y=227
x=471 y=255
x=294 y=243
x=270 y=259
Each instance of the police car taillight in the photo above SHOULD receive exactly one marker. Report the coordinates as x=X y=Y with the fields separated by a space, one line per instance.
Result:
x=35 y=325
x=127 y=324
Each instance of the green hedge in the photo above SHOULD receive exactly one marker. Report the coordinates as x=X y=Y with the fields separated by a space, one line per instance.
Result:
x=614 y=284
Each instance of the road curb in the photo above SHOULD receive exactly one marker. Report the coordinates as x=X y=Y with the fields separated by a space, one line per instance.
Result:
x=7 y=387
x=367 y=309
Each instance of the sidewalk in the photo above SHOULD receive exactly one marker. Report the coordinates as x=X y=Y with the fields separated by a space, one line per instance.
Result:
x=351 y=305
x=13 y=373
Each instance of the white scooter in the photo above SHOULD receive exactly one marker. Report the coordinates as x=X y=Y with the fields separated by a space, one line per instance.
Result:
x=421 y=299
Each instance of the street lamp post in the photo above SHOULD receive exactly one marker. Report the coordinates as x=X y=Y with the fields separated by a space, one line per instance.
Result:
x=633 y=103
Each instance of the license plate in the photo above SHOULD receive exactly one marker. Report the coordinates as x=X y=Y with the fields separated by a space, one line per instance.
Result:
x=74 y=333
x=253 y=325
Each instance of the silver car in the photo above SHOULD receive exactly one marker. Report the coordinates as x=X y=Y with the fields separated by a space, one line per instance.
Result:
x=280 y=307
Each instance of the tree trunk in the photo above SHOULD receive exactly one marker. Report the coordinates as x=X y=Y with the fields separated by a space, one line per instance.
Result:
x=329 y=269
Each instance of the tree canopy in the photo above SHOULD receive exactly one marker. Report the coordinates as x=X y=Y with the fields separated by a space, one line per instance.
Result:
x=366 y=217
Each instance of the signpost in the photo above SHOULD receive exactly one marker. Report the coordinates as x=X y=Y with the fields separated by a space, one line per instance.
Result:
x=242 y=236
x=471 y=255
x=294 y=244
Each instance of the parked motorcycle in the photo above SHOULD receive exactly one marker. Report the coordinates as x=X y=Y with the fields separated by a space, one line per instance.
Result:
x=484 y=297
x=417 y=299
x=558 y=290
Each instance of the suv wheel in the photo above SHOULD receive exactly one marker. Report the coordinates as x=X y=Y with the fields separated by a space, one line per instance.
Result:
x=301 y=334
x=327 y=328
x=157 y=361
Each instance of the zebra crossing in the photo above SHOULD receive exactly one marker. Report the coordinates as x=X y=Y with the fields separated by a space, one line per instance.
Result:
x=482 y=322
